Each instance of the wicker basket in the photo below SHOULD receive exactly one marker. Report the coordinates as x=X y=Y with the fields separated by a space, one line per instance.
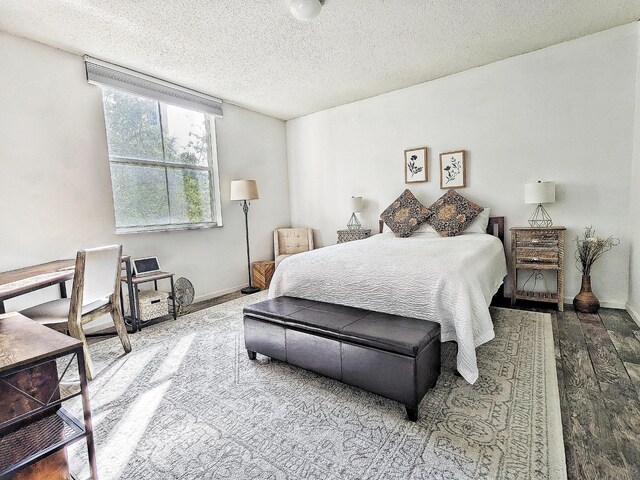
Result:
x=153 y=304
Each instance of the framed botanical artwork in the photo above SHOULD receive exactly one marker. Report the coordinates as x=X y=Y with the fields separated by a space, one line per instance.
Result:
x=415 y=165
x=453 y=170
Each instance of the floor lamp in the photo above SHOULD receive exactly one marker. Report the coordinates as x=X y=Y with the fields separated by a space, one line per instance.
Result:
x=244 y=191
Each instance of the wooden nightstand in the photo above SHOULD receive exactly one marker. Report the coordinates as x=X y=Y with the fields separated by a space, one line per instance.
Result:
x=262 y=273
x=539 y=248
x=356 y=234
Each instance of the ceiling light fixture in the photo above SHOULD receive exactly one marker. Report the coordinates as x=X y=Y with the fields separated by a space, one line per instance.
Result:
x=305 y=10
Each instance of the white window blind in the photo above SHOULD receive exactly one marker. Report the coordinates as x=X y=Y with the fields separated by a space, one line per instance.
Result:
x=107 y=74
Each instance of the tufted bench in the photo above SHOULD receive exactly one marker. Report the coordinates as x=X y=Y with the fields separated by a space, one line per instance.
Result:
x=389 y=355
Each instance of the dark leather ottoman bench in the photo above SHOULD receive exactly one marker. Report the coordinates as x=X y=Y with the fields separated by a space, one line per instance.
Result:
x=392 y=356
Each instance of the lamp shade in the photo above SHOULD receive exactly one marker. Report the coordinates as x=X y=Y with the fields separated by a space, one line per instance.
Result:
x=244 y=190
x=540 y=192
x=356 y=204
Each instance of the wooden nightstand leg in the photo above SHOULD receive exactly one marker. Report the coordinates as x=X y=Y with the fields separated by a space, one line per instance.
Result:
x=561 y=270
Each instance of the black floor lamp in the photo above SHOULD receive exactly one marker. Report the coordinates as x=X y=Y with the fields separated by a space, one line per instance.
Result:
x=244 y=191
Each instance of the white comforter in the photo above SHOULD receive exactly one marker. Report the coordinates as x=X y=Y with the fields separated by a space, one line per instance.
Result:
x=447 y=280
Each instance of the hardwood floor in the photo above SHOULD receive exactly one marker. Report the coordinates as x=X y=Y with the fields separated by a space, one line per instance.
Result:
x=598 y=366
x=598 y=359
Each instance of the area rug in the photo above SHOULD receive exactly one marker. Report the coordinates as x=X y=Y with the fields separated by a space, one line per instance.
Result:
x=187 y=403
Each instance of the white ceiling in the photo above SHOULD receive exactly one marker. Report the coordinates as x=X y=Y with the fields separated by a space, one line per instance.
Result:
x=253 y=53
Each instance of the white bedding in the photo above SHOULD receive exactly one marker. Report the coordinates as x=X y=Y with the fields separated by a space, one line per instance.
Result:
x=447 y=280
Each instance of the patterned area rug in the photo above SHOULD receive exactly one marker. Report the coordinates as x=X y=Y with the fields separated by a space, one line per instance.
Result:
x=187 y=403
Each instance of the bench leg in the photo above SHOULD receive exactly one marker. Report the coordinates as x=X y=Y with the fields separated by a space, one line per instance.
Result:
x=412 y=413
x=252 y=355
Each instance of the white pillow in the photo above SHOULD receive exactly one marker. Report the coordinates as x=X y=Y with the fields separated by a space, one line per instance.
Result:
x=479 y=224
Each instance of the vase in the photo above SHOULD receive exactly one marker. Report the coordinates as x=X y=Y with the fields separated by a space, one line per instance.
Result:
x=586 y=301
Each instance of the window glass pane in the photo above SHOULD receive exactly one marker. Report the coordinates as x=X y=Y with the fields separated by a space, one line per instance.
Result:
x=133 y=126
x=190 y=195
x=176 y=190
x=139 y=195
x=185 y=136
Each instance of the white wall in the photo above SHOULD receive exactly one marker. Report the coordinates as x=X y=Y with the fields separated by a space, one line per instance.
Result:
x=564 y=113
x=633 y=305
x=55 y=190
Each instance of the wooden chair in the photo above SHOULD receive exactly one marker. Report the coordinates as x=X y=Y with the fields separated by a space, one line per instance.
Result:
x=95 y=292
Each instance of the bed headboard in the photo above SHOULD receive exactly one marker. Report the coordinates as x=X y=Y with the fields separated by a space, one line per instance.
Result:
x=495 y=227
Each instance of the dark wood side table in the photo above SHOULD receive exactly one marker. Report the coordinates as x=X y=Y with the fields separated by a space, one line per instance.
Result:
x=139 y=279
x=538 y=248
x=34 y=427
x=355 y=234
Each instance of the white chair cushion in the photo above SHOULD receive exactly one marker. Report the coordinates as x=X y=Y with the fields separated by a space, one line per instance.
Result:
x=279 y=259
x=57 y=311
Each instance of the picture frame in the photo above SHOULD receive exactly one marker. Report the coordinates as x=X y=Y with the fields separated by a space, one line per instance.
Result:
x=416 y=165
x=453 y=170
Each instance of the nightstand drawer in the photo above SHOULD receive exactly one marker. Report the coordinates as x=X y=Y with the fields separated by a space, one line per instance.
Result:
x=355 y=234
x=537 y=238
x=536 y=256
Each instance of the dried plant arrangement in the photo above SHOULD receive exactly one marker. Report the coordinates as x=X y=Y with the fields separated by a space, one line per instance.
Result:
x=591 y=248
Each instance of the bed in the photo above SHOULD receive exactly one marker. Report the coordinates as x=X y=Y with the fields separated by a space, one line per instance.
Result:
x=447 y=280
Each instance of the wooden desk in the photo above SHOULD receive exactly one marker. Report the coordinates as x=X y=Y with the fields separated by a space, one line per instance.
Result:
x=29 y=279
x=34 y=428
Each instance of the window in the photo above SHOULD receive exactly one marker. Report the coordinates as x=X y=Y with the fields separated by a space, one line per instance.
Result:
x=163 y=164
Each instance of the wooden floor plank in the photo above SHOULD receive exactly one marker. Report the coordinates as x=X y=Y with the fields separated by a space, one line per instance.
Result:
x=628 y=346
x=633 y=369
x=624 y=415
x=589 y=318
x=556 y=338
x=572 y=466
x=618 y=321
x=610 y=372
x=578 y=370
x=590 y=438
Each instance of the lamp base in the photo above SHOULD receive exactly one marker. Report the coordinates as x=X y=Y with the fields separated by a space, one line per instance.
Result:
x=354 y=223
x=250 y=290
x=540 y=217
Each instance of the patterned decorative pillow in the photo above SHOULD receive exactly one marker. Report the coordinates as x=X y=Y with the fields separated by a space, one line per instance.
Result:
x=452 y=213
x=405 y=214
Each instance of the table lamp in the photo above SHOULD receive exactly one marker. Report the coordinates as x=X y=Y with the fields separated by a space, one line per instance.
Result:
x=356 y=206
x=540 y=192
x=243 y=191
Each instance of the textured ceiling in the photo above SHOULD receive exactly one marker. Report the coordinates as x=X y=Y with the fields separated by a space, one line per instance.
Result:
x=253 y=53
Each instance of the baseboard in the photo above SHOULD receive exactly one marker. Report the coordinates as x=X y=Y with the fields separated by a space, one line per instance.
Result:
x=219 y=293
x=603 y=304
x=634 y=311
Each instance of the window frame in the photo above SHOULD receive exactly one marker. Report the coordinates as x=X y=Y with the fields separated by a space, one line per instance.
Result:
x=211 y=168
